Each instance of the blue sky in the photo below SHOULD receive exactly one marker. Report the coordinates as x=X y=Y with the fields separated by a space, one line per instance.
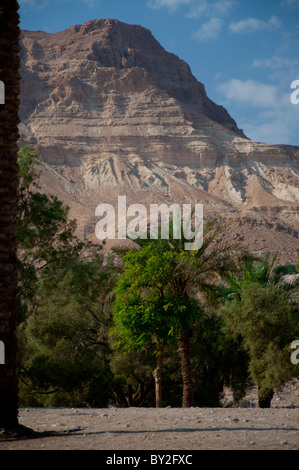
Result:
x=245 y=52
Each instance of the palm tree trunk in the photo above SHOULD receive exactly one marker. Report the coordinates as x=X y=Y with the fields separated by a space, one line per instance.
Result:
x=186 y=368
x=9 y=75
x=158 y=376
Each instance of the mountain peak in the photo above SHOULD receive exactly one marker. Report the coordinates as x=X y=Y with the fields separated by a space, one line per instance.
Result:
x=112 y=113
x=113 y=44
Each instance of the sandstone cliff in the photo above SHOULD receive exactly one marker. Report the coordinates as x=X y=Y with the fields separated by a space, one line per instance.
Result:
x=112 y=113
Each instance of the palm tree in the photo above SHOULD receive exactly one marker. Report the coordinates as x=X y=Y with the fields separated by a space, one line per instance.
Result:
x=261 y=273
x=9 y=75
x=198 y=278
x=191 y=279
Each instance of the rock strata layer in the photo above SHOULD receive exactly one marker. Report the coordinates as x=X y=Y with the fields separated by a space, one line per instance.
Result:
x=112 y=113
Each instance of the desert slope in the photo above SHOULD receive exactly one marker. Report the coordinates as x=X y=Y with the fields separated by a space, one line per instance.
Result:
x=112 y=113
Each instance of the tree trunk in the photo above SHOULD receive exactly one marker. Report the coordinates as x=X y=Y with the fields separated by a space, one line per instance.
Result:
x=9 y=120
x=264 y=399
x=137 y=398
x=186 y=369
x=158 y=376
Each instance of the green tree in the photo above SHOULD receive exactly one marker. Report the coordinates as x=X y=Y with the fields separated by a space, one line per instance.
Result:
x=162 y=290
x=262 y=273
x=267 y=321
x=219 y=361
x=259 y=271
x=64 y=350
x=63 y=293
x=46 y=236
x=145 y=312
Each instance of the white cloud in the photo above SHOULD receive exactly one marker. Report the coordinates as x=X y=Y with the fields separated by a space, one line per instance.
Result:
x=216 y=8
x=290 y=3
x=277 y=125
x=197 y=8
x=91 y=3
x=276 y=131
x=276 y=118
x=209 y=30
x=211 y=10
x=223 y=7
x=250 y=92
x=279 y=70
x=253 y=24
x=43 y=3
x=170 y=4
x=34 y=3
x=275 y=63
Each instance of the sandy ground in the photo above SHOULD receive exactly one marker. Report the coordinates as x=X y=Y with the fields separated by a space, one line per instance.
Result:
x=159 y=429
x=167 y=429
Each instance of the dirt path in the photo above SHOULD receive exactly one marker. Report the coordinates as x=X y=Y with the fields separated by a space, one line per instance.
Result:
x=160 y=429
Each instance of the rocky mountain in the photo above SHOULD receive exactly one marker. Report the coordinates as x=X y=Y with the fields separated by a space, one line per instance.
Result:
x=112 y=113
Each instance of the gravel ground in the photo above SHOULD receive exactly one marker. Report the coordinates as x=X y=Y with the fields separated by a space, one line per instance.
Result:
x=159 y=429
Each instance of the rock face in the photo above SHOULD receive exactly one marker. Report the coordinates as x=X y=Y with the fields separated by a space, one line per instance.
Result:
x=112 y=113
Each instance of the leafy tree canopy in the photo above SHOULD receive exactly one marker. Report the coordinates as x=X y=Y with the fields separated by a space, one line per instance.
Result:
x=46 y=237
x=267 y=321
